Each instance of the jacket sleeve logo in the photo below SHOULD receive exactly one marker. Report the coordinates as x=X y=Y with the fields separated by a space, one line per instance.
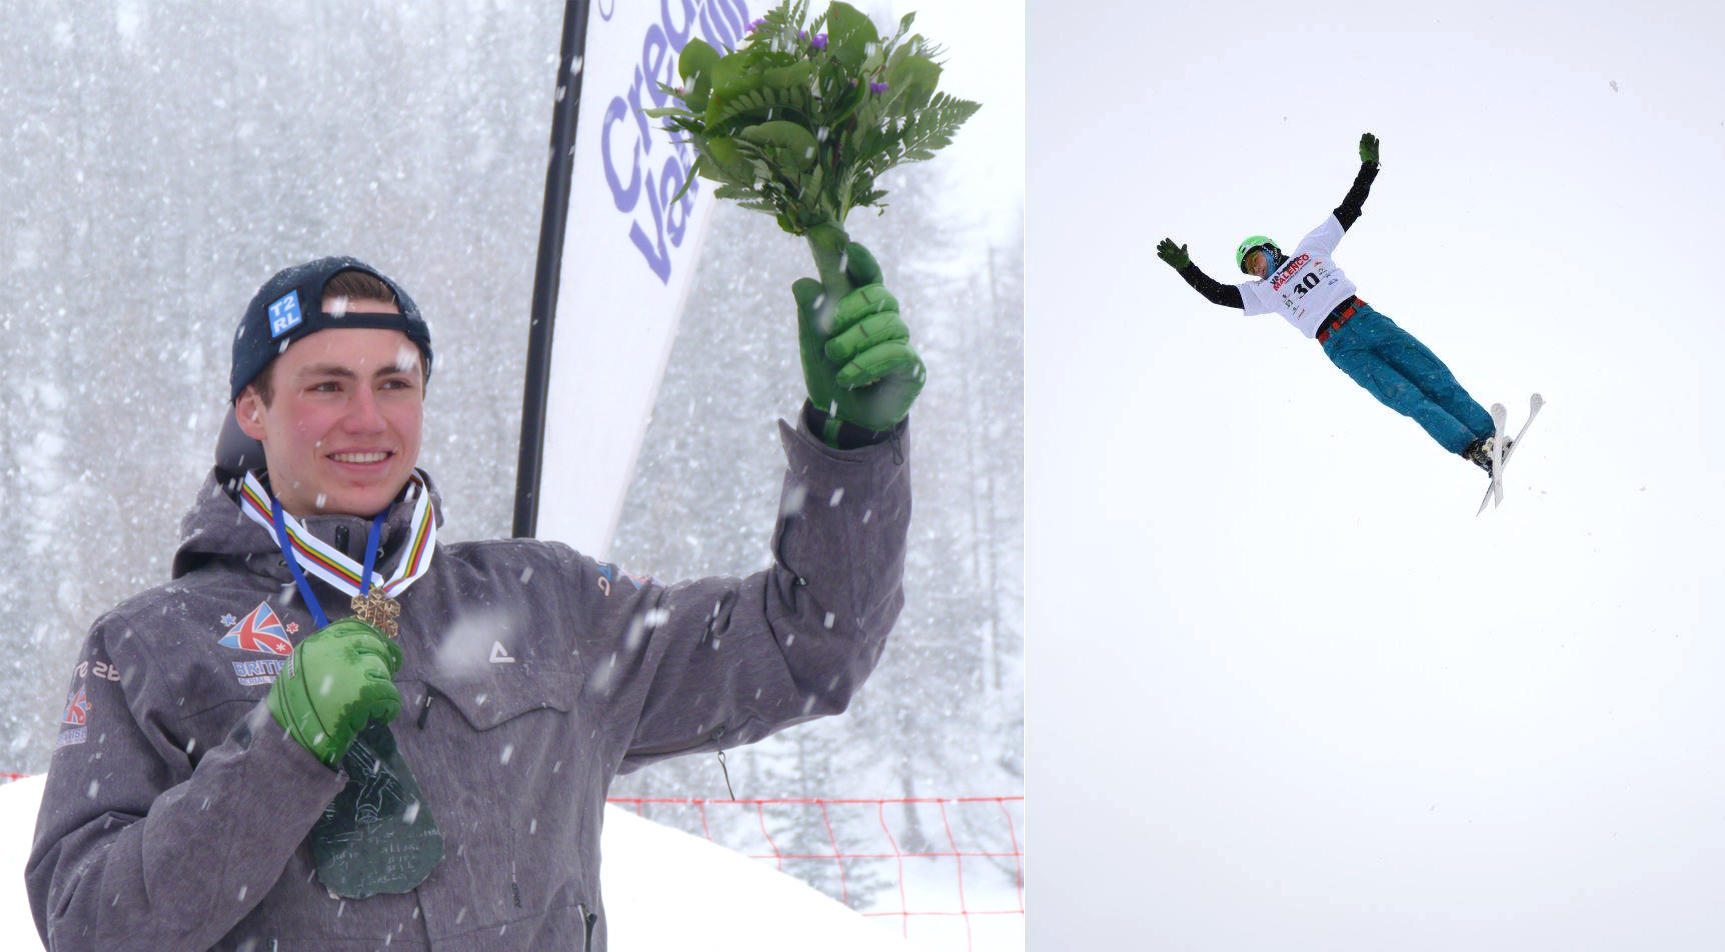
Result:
x=77 y=713
x=77 y=708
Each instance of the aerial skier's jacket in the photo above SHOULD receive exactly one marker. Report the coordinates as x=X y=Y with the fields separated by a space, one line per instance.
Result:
x=176 y=811
x=1307 y=286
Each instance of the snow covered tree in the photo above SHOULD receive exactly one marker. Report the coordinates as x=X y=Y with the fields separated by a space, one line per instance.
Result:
x=165 y=162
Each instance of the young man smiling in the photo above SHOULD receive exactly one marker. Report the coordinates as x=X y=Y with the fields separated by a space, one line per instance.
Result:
x=340 y=414
x=239 y=776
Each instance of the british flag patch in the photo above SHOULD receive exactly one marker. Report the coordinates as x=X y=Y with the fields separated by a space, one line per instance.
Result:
x=77 y=708
x=259 y=631
x=77 y=714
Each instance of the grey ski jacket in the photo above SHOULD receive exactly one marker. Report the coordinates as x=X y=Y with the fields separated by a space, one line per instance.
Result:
x=176 y=811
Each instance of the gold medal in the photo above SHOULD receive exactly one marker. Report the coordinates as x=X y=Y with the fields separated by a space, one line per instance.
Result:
x=335 y=567
x=377 y=835
x=379 y=611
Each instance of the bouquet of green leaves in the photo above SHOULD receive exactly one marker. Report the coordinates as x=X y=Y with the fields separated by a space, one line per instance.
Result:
x=803 y=119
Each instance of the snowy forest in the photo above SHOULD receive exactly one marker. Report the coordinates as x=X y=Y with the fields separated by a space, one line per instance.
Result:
x=163 y=160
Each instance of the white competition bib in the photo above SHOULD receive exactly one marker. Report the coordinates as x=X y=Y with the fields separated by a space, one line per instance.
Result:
x=1308 y=288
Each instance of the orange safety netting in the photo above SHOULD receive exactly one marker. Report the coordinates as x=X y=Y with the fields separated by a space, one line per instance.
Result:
x=997 y=843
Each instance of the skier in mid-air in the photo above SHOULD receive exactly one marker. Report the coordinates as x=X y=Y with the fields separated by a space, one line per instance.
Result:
x=1312 y=293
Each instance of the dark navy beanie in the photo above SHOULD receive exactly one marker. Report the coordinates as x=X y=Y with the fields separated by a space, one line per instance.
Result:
x=290 y=306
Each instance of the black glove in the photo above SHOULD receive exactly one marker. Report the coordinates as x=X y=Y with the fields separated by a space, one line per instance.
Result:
x=1369 y=149
x=1175 y=255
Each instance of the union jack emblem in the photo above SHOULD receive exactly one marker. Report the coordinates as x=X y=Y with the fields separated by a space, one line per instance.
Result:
x=76 y=707
x=259 y=631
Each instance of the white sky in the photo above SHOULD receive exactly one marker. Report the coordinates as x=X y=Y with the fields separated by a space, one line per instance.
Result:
x=1284 y=690
x=984 y=62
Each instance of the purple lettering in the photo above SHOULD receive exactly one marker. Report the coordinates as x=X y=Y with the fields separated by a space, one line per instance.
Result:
x=640 y=117
x=624 y=197
x=658 y=257
x=738 y=13
x=716 y=31
x=721 y=23
x=654 y=56
x=678 y=37
x=677 y=215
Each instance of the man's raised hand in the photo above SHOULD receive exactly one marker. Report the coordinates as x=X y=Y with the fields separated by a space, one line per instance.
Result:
x=1175 y=255
x=1369 y=149
x=858 y=362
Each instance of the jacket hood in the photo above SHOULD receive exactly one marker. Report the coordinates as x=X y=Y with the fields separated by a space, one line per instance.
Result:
x=215 y=529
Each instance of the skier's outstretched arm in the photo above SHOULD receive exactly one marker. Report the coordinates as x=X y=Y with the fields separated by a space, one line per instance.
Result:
x=1349 y=210
x=1226 y=295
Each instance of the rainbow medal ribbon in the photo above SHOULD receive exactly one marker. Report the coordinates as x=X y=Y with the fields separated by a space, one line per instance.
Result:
x=306 y=554
x=377 y=835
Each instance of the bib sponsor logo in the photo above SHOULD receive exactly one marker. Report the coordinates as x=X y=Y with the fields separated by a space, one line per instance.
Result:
x=259 y=631
x=1288 y=271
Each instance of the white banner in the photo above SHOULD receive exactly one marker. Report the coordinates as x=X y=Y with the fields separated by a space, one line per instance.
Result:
x=628 y=257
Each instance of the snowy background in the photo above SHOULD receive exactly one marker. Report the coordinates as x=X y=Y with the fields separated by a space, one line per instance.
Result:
x=1287 y=692
x=163 y=159
x=645 y=862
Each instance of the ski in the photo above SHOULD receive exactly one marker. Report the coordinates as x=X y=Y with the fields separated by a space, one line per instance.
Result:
x=1495 y=490
x=1500 y=431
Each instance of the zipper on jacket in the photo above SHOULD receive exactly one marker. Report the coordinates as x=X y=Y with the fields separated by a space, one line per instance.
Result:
x=588 y=921
x=425 y=708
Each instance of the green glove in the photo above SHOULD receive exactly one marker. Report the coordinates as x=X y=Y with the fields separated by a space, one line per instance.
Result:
x=1369 y=149
x=336 y=682
x=858 y=363
x=1174 y=255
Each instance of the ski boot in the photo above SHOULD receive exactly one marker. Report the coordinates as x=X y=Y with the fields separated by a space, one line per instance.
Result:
x=1479 y=452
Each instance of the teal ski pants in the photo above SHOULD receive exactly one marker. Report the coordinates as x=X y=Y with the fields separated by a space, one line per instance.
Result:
x=1408 y=378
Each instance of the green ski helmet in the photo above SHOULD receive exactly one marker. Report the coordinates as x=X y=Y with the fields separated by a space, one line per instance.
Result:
x=1246 y=247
